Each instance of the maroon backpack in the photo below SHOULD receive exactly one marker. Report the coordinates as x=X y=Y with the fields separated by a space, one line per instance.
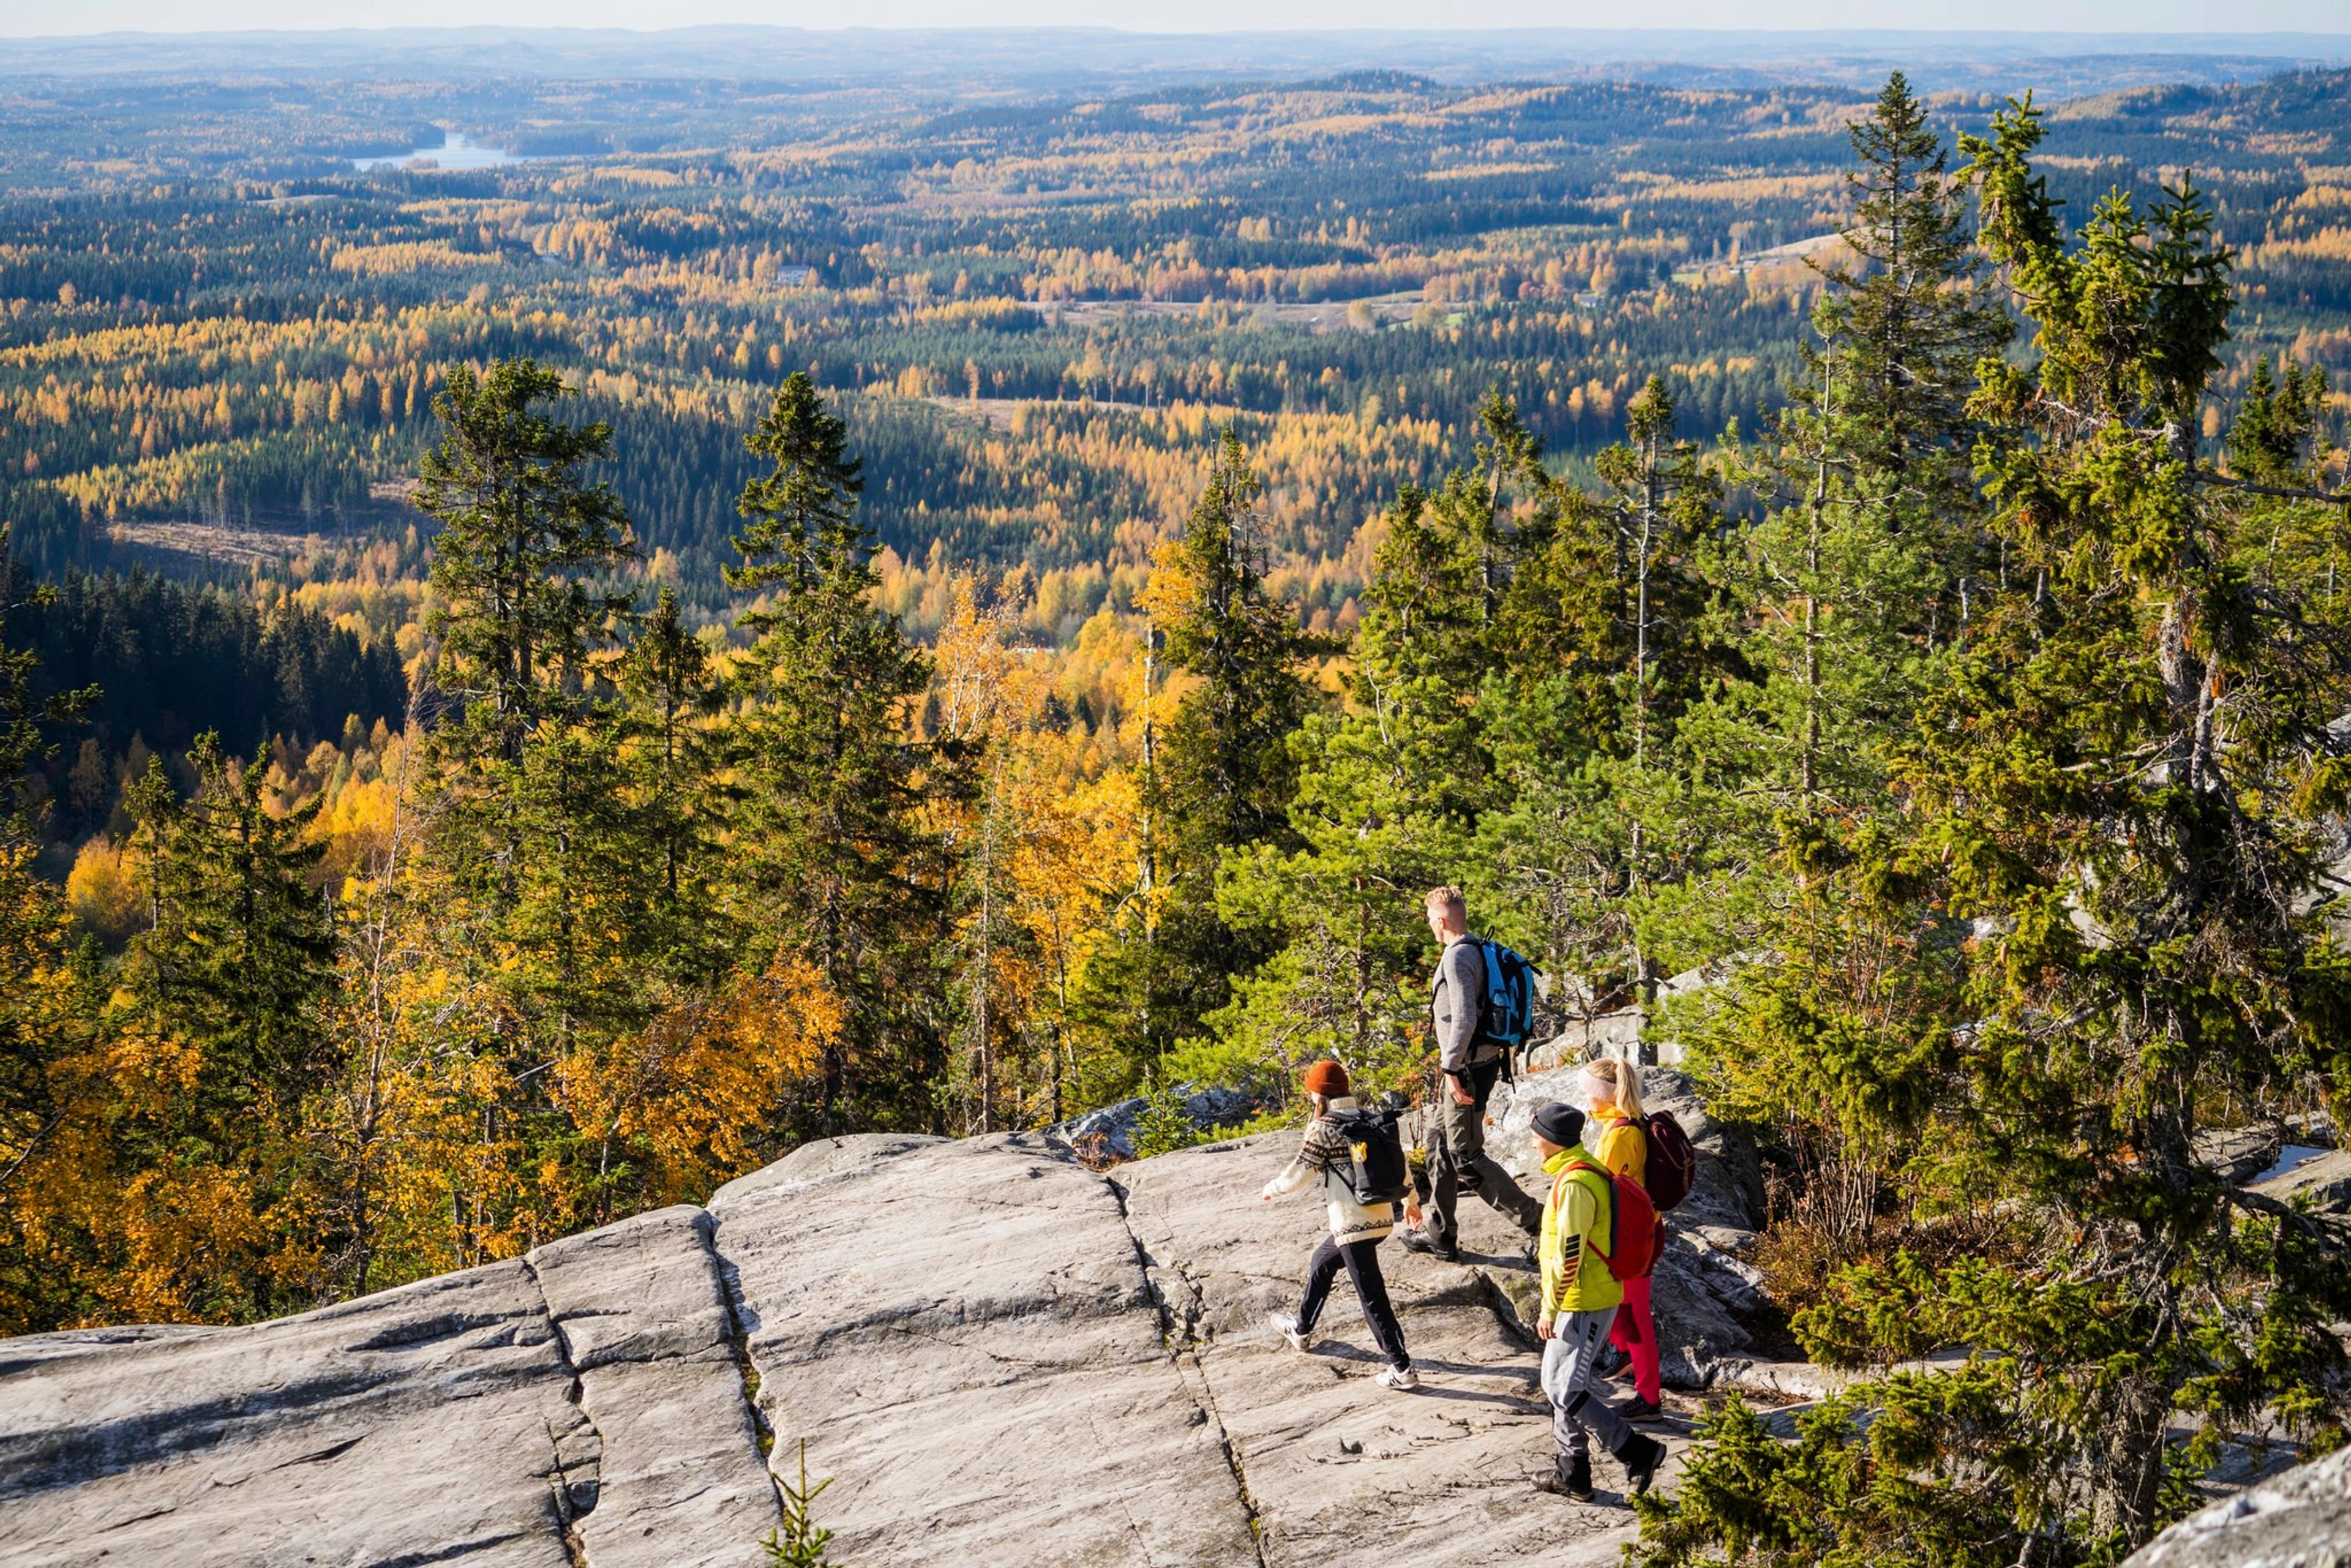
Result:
x=1672 y=1166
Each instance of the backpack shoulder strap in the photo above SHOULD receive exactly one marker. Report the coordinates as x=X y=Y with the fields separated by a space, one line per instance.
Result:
x=1607 y=1181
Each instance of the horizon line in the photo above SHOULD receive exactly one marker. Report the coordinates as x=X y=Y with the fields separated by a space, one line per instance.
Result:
x=129 y=35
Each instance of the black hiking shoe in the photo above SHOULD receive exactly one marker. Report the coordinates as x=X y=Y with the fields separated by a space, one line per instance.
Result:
x=1641 y=1462
x=1635 y=1409
x=1421 y=1241
x=1570 y=1478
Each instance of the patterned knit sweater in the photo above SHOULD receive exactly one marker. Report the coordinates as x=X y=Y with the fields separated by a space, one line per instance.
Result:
x=1322 y=1155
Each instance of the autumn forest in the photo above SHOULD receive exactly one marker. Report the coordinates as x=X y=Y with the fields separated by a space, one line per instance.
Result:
x=533 y=685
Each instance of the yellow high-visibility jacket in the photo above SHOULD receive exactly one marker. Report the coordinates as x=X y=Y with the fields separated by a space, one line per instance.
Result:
x=1575 y=1278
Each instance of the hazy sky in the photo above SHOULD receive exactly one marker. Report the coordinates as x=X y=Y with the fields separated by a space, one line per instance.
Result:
x=21 y=17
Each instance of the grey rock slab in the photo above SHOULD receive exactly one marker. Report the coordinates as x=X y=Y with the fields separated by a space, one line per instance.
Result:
x=2322 y=1179
x=645 y=1322
x=430 y=1423
x=2300 y=1519
x=820 y=1157
x=964 y=1336
x=1332 y=1460
x=2238 y=1154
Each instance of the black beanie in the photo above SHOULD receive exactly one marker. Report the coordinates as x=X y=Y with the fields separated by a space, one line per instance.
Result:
x=1559 y=1122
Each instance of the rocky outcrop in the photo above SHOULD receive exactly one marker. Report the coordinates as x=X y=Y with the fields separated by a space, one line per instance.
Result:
x=2320 y=1179
x=997 y=1355
x=581 y=1403
x=2300 y=1519
x=1108 y=1133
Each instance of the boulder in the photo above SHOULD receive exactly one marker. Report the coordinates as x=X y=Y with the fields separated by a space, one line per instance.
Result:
x=2299 y=1520
x=1107 y=1134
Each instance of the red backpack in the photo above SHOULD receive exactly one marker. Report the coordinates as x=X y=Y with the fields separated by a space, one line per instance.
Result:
x=1638 y=1235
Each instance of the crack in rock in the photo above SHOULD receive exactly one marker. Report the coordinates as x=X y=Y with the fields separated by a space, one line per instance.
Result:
x=573 y=1497
x=1185 y=1354
x=740 y=1321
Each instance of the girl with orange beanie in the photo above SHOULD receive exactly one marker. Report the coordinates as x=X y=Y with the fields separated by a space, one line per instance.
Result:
x=1357 y=1227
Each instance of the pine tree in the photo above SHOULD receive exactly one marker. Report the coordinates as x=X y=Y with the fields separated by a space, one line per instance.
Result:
x=1220 y=776
x=2125 y=786
x=838 y=860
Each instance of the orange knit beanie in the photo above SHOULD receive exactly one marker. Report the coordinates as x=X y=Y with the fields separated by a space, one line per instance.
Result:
x=1327 y=1079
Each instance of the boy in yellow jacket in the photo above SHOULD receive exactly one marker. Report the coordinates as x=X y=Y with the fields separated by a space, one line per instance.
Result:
x=1579 y=1298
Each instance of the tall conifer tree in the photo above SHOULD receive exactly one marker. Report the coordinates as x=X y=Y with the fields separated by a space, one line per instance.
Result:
x=837 y=859
x=226 y=990
x=1220 y=776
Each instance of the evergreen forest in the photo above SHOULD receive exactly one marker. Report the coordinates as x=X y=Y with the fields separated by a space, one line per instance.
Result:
x=528 y=692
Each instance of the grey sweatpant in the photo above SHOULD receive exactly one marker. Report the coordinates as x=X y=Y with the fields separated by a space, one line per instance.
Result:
x=1579 y=1401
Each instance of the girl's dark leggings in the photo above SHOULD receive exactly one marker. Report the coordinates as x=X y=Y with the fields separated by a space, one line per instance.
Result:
x=1362 y=1262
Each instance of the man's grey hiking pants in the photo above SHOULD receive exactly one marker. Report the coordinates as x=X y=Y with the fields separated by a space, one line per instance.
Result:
x=1459 y=1163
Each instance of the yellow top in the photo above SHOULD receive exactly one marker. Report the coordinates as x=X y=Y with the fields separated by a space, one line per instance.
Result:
x=1624 y=1148
x=1587 y=1202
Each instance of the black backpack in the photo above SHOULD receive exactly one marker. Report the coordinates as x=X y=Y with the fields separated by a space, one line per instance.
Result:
x=1374 y=1171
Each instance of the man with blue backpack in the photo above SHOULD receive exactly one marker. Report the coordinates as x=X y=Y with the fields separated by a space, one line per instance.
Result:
x=1481 y=1004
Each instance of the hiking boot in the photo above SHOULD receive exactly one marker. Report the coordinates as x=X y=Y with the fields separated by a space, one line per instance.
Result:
x=1287 y=1327
x=1421 y=1241
x=1641 y=1462
x=1403 y=1379
x=1570 y=1478
x=1636 y=1408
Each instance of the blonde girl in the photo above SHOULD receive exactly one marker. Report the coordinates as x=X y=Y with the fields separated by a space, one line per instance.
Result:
x=1613 y=1090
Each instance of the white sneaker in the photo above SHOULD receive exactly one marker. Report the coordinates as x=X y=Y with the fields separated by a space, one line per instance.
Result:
x=1403 y=1379
x=1287 y=1327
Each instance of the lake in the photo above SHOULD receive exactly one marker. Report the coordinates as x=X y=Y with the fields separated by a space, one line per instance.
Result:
x=455 y=152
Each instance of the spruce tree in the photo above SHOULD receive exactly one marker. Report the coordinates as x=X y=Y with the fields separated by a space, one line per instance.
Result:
x=1595 y=850
x=1390 y=787
x=1382 y=811
x=226 y=992
x=541 y=885
x=1855 y=582
x=2125 y=785
x=670 y=693
x=47 y=999
x=837 y=858
x=516 y=566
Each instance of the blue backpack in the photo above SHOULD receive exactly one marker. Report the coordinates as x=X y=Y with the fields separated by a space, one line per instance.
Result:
x=1506 y=1016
